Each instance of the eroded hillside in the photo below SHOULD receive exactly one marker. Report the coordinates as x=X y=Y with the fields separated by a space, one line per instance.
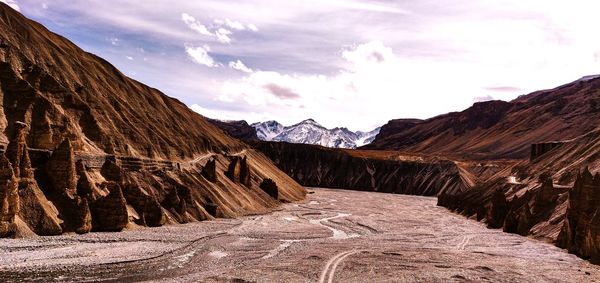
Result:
x=86 y=148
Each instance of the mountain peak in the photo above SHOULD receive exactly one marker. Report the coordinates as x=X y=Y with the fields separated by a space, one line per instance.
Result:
x=311 y=132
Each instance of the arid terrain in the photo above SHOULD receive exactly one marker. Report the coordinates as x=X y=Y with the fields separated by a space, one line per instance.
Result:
x=340 y=236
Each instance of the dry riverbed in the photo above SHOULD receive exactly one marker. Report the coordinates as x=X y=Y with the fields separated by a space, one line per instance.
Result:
x=336 y=236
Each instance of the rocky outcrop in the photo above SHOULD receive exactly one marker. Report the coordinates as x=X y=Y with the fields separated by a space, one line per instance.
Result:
x=9 y=198
x=62 y=174
x=238 y=170
x=316 y=166
x=581 y=231
x=270 y=187
x=109 y=213
x=209 y=171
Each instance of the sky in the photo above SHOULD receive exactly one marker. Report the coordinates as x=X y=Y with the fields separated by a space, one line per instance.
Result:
x=346 y=63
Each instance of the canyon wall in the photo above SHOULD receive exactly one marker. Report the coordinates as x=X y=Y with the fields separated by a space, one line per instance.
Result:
x=554 y=197
x=316 y=166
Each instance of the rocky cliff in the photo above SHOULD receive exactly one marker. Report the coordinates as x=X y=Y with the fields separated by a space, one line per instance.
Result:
x=498 y=129
x=554 y=196
x=317 y=166
x=85 y=148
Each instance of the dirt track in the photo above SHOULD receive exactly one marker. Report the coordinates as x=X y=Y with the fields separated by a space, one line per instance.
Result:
x=336 y=236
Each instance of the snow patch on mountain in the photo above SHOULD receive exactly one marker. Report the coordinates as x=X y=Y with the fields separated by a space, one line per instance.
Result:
x=311 y=132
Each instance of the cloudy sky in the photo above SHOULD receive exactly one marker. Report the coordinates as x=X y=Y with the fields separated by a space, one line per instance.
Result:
x=342 y=62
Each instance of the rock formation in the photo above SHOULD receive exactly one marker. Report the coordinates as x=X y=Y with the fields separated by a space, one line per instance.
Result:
x=109 y=213
x=9 y=198
x=316 y=166
x=101 y=151
x=238 y=171
x=581 y=231
x=209 y=171
x=270 y=187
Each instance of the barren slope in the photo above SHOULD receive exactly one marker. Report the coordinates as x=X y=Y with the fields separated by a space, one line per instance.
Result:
x=497 y=129
x=86 y=148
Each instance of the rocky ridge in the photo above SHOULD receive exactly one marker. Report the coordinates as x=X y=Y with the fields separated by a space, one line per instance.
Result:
x=311 y=132
x=85 y=148
x=495 y=130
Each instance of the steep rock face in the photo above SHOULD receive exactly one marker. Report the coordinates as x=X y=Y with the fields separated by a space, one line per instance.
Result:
x=109 y=213
x=88 y=148
x=9 y=198
x=316 y=166
x=497 y=129
x=61 y=172
x=581 y=232
x=564 y=213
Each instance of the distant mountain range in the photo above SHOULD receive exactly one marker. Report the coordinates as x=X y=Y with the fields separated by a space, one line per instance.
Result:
x=311 y=132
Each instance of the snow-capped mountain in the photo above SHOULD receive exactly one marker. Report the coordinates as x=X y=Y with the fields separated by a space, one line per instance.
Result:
x=267 y=131
x=311 y=132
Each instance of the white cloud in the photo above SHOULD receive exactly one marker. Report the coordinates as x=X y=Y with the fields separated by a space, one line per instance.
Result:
x=44 y=6
x=12 y=3
x=129 y=58
x=223 y=35
x=219 y=31
x=200 y=55
x=374 y=85
x=240 y=66
x=252 y=27
x=234 y=24
x=195 y=25
x=434 y=59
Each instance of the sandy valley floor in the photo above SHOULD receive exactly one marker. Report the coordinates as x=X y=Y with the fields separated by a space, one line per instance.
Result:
x=336 y=236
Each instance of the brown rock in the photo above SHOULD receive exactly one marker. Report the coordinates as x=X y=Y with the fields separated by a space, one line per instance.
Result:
x=109 y=213
x=36 y=211
x=111 y=171
x=239 y=171
x=270 y=187
x=16 y=152
x=146 y=205
x=85 y=186
x=83 y=220
x=209 y=171
x=211 y=208
x=9 y=198
x=498 y=209
x=61 y=170
x=581 y=232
